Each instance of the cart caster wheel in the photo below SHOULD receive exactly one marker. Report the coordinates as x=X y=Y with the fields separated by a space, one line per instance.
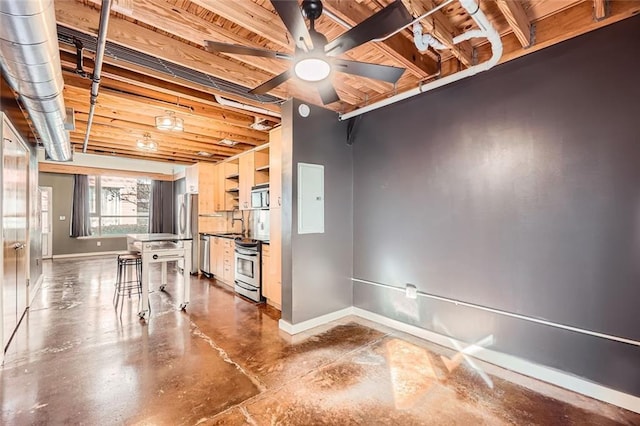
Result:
x=183 y=306
x=162 y=287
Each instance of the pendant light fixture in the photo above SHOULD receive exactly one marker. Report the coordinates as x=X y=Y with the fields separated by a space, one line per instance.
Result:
x=169 y=121
x=146 y=144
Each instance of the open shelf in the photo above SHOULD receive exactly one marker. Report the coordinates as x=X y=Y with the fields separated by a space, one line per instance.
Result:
x=263 y=168
x=233 y=176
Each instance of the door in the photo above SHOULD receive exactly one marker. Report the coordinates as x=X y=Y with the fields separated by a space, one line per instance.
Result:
x=15 y=161
x=46 y=198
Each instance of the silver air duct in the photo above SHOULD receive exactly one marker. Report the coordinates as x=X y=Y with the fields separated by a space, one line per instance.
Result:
x=30 y=60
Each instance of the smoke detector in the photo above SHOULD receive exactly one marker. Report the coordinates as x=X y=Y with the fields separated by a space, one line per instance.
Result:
x=228 y=142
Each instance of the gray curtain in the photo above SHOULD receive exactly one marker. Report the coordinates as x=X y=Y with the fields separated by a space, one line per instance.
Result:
x=80 y=218
x=156 y=211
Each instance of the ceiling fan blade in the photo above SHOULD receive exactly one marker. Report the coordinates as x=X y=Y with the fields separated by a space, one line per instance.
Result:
x=291 y=15
x=379 y=72
x=271 y=84
x=378 y=25
x=327 y=92
x=217 y=47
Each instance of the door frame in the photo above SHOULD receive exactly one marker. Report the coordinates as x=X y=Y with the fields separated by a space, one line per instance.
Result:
x=49 y=190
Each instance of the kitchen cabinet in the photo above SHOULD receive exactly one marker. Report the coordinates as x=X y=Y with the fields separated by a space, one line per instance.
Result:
x=227 y=187
x=275 y=167
x=206 y=188
x=222 y=260
x=271 y=288
x=201 y=178
x=274 y=267
x=274 y=277
x=247 y=179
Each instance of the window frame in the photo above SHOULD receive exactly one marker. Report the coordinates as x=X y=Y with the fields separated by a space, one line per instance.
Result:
x=95 y=205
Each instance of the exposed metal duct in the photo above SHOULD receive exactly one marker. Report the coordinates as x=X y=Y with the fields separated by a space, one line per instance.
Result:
x=97 y=69
x=30 y=60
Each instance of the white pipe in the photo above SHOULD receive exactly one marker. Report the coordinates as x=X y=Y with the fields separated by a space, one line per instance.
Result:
x=487 y=31
x=230 y=103
x=423 y=41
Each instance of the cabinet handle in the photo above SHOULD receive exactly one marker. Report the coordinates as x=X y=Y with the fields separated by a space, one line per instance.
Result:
x=279 y=202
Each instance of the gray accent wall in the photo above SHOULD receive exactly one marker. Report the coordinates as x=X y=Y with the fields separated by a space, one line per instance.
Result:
x=63 y=244
x=320 y=264
x=62 y=185
x=517 y=189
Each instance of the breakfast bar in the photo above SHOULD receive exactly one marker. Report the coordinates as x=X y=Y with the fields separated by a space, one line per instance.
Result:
x=161 y=248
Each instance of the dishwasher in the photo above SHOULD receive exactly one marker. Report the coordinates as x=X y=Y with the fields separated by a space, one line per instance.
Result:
x=205 y=264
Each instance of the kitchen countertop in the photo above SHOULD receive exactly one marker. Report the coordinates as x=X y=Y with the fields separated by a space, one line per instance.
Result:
x=233 y=236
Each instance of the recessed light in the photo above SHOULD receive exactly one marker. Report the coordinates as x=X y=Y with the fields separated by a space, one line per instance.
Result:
x=228 y=142
x=204 y=154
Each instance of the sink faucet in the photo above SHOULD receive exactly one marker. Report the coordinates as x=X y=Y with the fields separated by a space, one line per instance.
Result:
x=241 y=219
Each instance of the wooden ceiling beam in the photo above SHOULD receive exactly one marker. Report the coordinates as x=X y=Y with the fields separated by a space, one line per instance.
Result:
x=398 y=47
x=124 y=118
x=139 y=76
x=517 y=19
x=119 y=105
x=85 y=19
x=113 y=145
x=65 y=168
x=131 y=133
x=572 y=22
x=196 y=30
x=248 y=14
x=439 y=26
x=599 y=9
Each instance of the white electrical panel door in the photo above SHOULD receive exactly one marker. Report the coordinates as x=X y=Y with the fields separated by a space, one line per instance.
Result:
x=310 y=198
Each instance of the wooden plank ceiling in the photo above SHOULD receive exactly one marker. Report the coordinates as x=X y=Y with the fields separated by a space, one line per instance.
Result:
x=132 y=94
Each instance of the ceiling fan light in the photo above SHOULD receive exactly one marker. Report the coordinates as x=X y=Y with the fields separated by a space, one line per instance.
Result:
x=312 y=69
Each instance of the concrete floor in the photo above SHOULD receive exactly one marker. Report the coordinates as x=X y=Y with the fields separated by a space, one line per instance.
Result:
x=224 y=361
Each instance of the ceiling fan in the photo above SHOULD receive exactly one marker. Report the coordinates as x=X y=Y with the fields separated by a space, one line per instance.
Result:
x=315 y=58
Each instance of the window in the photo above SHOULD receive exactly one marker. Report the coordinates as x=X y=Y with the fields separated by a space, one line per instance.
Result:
x=119 y=205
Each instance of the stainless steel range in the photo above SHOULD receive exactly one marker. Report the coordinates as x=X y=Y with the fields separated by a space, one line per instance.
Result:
x=247 y=263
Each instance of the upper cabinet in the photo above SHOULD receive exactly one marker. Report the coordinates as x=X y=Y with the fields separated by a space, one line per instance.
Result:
x=206 y=188
x=247 y=179
x=275 y=167
x=227 y=188
x=201 y=178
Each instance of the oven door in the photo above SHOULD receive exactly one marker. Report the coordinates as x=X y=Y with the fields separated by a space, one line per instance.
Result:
x=247 y=267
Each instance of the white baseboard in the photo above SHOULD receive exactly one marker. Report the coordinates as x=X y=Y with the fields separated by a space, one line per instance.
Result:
x=519 y=365
x=314 y=322
x=540 y=372
x=96 y=253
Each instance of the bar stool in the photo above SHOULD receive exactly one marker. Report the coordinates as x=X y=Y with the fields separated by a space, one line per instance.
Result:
x=128 y=279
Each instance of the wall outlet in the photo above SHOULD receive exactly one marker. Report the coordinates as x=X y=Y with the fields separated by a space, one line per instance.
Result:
x=411 y=291
x=63 y=218
x=99 y=243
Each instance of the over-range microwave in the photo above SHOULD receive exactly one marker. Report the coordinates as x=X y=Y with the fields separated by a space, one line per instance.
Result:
x=260 y=197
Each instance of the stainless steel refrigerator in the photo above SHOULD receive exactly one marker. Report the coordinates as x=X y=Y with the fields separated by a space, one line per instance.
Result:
x=187 y=225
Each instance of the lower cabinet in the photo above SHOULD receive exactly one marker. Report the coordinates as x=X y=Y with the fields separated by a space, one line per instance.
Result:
x=222 y=260
x=271 y=288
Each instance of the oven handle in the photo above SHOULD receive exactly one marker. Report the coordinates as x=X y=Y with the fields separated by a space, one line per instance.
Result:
x=239 y=284
x=247 y=253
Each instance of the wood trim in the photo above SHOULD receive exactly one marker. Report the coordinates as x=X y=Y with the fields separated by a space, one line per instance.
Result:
x=599 y=9
x=517 y=19
x=68 y=169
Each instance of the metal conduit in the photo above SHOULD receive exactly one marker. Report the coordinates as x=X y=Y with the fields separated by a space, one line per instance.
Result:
x=100 y=48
